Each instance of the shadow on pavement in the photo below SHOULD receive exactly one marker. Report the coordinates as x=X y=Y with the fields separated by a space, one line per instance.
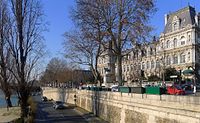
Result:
x=89 y=116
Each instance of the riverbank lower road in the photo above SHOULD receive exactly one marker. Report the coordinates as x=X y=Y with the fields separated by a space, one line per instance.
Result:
x=47 y=114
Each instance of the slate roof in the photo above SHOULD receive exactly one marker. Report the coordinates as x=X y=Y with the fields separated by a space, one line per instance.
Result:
x=186 y=16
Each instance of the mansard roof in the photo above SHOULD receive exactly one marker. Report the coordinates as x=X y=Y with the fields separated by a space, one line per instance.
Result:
x=185 y=16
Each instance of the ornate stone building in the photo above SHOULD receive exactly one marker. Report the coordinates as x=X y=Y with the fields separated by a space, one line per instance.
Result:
x=177 y=47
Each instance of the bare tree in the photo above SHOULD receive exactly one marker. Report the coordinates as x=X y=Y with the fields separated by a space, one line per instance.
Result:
x=92 y=32
x=84 y=48
x=5 y=57
x=123 y=22
x=25 y=43
x=58 y=70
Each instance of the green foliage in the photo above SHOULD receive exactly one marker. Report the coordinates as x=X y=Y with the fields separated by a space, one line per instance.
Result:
x=169 y=72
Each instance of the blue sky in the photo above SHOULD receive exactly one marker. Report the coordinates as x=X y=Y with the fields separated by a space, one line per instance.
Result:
x=58 y=16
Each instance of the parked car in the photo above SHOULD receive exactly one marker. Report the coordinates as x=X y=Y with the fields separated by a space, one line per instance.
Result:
x=44 y=99
x=58 y=105
x=187 y=88
x=114 y=88
x=175 y=90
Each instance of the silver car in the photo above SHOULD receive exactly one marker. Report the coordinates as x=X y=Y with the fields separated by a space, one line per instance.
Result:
x=58 y=105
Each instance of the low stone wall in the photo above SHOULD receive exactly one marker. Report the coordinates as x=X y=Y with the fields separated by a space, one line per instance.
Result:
x=59 y=94
x=117 y=107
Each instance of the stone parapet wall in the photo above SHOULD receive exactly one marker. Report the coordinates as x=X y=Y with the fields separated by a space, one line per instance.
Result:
x=117 y=107
x=59 y=94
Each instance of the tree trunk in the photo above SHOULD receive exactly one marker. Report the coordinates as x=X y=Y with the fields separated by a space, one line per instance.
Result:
x=24 y=104
x=119 y=70
x=24 y=111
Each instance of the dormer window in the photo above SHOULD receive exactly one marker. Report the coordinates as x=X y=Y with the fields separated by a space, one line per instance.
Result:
x=175 y=26
x=182 y=23
x=176 y=22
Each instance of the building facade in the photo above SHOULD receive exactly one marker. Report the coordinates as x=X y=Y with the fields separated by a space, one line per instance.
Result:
x=177 y=47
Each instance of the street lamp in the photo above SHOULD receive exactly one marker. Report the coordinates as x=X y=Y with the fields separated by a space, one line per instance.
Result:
x=192 y=73
x=163 y=68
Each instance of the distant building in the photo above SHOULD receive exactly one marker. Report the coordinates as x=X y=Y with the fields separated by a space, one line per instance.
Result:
x=83 y=76
x=177 y=47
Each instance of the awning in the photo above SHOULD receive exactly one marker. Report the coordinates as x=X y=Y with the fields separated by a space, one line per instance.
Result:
x=188 y=72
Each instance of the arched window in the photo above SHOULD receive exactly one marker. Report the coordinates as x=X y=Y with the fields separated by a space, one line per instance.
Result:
x=182 y=40
x=168 y=60
x=189 y=38
x=127 y=68
x=148 y=65
x=182 y=58
x=157 y=64
x=175 y=42
x=162 y=46
x=168 y=44
x=143 y=65
x=151 y=51
x=124 y=68
x=188 y=56
x=152 y=64
x=175 y=59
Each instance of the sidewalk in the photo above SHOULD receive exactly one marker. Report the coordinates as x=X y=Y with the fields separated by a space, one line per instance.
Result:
x=8 y=116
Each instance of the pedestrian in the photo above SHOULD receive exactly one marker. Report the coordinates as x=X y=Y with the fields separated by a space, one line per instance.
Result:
x=7 y=101
x=19 y=101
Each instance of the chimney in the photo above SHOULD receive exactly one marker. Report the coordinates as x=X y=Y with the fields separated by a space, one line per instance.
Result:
x=166 y=18
x=196 y=20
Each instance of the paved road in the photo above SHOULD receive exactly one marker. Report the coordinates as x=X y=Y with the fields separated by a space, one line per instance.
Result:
x=47 y=114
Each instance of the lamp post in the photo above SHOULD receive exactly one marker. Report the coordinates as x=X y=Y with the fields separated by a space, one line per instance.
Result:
x=163 y=69
x=194 y=73
x=106 y=75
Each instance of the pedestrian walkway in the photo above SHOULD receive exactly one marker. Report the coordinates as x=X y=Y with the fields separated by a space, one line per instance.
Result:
x=8 y=116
